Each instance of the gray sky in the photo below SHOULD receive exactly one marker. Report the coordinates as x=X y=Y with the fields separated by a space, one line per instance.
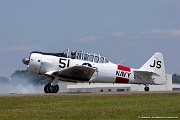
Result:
x=118 y=29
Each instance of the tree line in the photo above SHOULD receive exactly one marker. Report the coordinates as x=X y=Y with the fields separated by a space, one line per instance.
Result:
x=19 y=75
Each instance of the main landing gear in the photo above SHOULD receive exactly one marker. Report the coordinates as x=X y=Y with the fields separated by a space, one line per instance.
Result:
x=146 y=87
x=52 y=87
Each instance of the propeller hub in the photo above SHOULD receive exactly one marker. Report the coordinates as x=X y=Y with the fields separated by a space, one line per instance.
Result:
x=26 y=61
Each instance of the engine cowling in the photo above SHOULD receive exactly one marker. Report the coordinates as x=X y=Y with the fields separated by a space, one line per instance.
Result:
x=34 y=63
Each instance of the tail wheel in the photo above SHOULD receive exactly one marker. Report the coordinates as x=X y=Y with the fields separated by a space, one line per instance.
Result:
x=146 y=88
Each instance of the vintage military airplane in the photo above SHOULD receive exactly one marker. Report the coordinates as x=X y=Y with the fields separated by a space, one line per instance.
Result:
x=86 y=67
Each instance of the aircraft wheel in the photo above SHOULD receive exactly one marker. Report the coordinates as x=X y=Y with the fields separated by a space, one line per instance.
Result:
x=146 y=88
x=46 y=88
x=53 y=89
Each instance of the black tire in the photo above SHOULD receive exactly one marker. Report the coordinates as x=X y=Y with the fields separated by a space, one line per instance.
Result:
x=146 y=88
x=46 y=88
x=53 y=89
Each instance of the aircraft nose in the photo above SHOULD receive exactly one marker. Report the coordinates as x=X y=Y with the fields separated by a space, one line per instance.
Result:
x=26 y=61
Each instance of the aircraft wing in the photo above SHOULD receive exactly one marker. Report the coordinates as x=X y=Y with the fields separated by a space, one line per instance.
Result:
x=72 y=74
x=140 y=71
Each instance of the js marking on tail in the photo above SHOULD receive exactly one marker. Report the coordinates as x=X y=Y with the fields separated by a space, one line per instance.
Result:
x=156 y=64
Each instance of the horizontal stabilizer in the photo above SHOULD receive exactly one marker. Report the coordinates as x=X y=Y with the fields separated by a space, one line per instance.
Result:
x=146 y=72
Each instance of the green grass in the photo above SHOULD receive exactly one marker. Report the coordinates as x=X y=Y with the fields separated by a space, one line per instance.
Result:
x=88 y=107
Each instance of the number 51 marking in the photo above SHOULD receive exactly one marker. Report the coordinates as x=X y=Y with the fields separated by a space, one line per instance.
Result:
x=64 y=62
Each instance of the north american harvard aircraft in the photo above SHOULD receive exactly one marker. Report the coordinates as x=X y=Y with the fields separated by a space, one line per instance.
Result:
x=81 y=66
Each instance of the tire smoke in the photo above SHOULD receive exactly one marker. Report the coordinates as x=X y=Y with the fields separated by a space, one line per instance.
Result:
x=21 y=82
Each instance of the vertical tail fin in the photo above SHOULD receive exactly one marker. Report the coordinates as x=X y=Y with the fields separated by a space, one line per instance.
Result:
x=156 y=65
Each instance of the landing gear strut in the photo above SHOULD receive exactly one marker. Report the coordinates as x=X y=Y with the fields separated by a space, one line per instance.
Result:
x=52 y=87
x=146 y=87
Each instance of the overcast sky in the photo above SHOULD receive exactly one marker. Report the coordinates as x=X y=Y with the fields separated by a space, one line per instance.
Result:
x=118 y=29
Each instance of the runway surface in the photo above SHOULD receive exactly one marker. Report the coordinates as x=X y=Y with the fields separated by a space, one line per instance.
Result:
x=97 y=93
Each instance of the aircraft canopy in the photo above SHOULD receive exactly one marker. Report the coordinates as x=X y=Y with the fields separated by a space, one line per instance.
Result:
x=80 y=55
x=92 y=57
